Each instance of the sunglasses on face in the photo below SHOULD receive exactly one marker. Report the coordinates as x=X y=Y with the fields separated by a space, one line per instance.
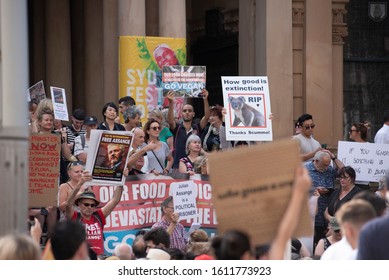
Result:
x=337 y=231
x=312 y=126
x=89 y=204
x=187 y=110
x=155 y=127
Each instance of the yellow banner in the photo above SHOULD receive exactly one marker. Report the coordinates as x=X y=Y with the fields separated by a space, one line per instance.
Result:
x=140 y=64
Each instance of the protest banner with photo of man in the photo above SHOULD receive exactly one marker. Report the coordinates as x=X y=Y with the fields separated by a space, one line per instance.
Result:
x=107 y=156
x=185 y=81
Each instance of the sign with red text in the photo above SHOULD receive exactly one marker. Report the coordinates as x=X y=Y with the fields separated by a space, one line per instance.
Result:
x=44 y=163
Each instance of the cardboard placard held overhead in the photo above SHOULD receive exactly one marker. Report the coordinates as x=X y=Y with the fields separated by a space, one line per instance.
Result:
x=252 y=188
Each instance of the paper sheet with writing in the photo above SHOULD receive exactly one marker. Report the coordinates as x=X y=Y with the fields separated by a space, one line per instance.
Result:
x=252 y=187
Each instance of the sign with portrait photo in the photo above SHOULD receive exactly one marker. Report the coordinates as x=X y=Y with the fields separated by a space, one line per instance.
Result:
x=107 y=156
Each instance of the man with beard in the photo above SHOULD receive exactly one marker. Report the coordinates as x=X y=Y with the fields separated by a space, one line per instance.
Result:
x=115 y=154
x=187 y=127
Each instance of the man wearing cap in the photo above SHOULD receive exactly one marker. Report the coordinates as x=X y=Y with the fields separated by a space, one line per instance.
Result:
x=93 y=218
x=76 y=128
x=81 y=142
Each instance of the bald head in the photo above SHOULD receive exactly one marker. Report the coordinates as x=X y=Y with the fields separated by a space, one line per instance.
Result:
x=139 y=138
x=123 y=251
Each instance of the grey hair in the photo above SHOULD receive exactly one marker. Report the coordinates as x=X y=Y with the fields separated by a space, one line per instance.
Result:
x=320 y=155
x=165 y=203
x=190 y=139
x=131 y=112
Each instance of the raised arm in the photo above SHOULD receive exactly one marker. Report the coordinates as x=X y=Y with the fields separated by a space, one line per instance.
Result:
x=170 y=113
x=69 y=210
x=301 y=186
x=140 y=153
x=117 y=194
x=205 y=118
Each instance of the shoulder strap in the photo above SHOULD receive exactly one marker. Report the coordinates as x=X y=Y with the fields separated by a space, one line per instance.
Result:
x=158 y=160
x=82 y=136
x=98 y=218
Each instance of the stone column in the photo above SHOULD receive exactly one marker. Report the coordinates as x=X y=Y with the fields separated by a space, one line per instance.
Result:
x=132 y=17
x=111 y=50
x=58 y=48
x=266 y=50
x=318 y=46
x=13 y=116
x=172 y=18
x=94 y=56
x=339 y=31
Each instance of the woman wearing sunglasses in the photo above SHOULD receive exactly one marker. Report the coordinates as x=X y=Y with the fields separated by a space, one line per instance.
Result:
x=160 y=159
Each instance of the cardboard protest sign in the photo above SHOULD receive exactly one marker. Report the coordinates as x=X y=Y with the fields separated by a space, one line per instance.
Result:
x=36 y=92
x=252 y=187
x=370 y=161
x=184 y=199
x=107 y=156
x=247 y=103
x=59 y=103
x=44 y=161
x=185 y=81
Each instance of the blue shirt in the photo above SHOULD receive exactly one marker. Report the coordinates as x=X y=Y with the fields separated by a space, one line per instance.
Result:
x=322 y=179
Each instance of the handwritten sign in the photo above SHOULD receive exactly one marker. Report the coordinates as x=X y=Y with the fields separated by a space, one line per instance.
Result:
x=44 y=158
x=184 y=199
x=370 y=161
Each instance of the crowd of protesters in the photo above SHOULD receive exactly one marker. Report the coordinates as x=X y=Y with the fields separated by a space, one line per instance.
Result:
x=346 y=218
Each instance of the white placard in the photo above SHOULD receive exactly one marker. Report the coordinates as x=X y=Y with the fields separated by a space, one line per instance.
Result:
x=58 y=96
x=370 y=161
x=184 y=199
x=247 y=103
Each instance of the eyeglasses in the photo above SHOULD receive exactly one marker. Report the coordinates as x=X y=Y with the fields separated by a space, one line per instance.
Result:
x=89 y=204
x=312 y=126
x=169 y=207
x=74 y=163
x=187 y=110
x=337 y=231
x=155 y=127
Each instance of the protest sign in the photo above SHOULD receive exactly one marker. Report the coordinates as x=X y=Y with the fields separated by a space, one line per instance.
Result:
x=58 y=97
x=107 y=156
x=44 y=160
x=140 y=206
x=247 y=103
x=185 y=81
x=36 y=92
x=141 y=60
x=370 y=161
x=254 y=196
x=184 y=199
